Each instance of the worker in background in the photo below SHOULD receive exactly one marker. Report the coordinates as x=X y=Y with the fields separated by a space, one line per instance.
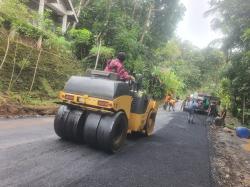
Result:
x=205 y=104
x=213 y=110
x=184 y=103
x=167 y=101
x=117 y=66
x=221 y=115
x=172 y=104
x=192 y=105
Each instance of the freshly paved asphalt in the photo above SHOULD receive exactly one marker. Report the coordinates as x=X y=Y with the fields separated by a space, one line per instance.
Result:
x=177 y=155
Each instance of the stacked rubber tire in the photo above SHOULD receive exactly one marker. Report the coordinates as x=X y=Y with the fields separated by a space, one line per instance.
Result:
x=105 y=131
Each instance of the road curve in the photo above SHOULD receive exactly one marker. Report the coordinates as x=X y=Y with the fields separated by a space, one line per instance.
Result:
x=176 y=155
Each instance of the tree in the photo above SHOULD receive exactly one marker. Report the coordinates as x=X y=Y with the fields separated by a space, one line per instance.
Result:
x=129 y=26
x=82 y=40
x=234 y=22
x=232 y=18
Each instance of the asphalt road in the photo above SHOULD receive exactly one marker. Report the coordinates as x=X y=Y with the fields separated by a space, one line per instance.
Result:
x=177 y=155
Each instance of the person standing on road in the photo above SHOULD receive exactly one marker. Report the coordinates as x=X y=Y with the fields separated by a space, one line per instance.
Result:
x=172 y=104
x=205 y=104
x=192 y=105
x=212 y=113
x=213 y=110
x=221 y=112
x=184 y=104
x=167 y=100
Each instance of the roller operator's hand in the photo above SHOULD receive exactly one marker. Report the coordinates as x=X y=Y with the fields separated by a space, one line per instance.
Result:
x=132 y=78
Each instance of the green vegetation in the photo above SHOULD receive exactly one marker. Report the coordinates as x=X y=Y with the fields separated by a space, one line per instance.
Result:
x=234 y=22
x=195 y=69
x=136 y=27
x=105 y=26
x=53 y=70
x=142 y=29
x=31 y=74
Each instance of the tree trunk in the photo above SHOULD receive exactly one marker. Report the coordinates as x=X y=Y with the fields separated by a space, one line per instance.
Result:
x=243 y=110
x=134 y=8
x=20 y=72
x=34 y=75
x=147 y=22
x=6 y=52
x=11 y=36
x=98 y=54
x=98 y=38
x=18 y=75
x=81 y=6
x=41 y=12
x=109 y=10
x=39 y=42
x=13 y=69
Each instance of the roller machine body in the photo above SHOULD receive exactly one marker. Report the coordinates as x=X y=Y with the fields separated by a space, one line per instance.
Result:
x=100 y=110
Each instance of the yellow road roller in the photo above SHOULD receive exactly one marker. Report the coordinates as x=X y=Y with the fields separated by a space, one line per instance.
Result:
x=100 y=110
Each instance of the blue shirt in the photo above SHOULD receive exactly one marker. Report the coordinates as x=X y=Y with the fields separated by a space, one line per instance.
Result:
x=192 y=104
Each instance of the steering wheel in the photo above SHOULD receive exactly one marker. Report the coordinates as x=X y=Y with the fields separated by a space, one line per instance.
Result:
x=133 y=85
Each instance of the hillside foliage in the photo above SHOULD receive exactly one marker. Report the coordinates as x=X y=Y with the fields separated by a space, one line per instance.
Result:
x=232 y=17
x=144 y=30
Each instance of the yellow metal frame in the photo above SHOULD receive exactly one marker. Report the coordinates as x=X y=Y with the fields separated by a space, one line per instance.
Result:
x=84 y=101
x=136 y=122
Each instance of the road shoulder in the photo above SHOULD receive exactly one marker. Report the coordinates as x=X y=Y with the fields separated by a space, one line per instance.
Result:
x=230 y=158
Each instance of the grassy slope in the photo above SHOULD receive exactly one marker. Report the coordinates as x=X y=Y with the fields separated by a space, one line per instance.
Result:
x=54 y=69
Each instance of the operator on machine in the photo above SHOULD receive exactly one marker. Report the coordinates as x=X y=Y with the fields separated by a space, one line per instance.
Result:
x=117 y=66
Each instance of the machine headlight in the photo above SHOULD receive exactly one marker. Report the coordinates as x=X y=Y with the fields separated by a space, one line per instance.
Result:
x=104 y=103
x=69 y=97
x=81 y=100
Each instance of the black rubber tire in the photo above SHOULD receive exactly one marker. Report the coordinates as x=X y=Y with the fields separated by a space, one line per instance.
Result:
x=78 y=127
x=112 y=132
x=90 y=128
x=60 y=119
x=74 y=125
x=150 y=123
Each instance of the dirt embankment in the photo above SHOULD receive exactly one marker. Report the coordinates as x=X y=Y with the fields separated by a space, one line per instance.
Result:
x=231 y=158
x=14 y=107
x=8 y=110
